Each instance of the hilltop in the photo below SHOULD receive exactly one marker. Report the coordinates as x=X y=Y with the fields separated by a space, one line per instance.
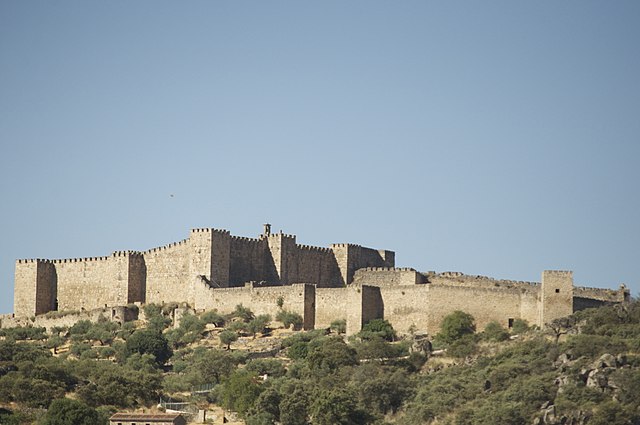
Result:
x=258 y=370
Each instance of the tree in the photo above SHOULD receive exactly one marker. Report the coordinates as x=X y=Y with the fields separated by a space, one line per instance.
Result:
x=149 y=341
x=54 y=342
x=212 y=366
x=243 y=313
x=258 y=324
x=227 y=337
x=495 y=332
x=336 y=407
x=65 y=411
x=293 y=408
x=561 y=326
x=378 y=328
x=330 y=353
x=240 y=391
x=213 y=317
x=289 y=318
x=455 y=325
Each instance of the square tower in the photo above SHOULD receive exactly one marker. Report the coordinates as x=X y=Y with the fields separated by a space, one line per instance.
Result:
x=556 y=295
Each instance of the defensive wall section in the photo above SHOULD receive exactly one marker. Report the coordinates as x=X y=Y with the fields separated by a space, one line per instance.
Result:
x=212 y=269
x=167 y=273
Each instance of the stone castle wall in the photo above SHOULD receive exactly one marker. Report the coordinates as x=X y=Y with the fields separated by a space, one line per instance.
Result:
x=167 y=270
x=211 y=270
x=162 y=274
x=388 y=276
x=297 y=298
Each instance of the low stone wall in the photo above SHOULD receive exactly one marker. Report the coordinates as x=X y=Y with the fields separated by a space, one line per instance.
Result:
x=67 y=319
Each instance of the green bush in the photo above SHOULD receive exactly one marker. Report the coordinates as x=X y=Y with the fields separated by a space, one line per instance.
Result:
x=227 y=337
x=463 y=347
x=243 y=313
x=520 y=326
x=339 y=326
x=289 y=319
x=454 y=326
x=377 y=328
x=240 y=391
x=213 y=317
x=495 y=332
x=258 y=324
x=148 y=341
x=65 y=411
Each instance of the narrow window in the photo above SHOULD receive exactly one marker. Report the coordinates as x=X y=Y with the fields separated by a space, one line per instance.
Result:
x=557 y=291
x=510 y=322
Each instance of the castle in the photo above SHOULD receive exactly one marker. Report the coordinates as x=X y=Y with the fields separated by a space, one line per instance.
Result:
x=212 y=269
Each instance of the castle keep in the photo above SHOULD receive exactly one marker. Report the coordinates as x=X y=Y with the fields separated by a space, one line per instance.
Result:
x=212 y=269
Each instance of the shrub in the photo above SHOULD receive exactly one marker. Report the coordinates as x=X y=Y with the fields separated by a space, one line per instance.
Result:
x=289 y=318
x=66 y=411
x=463 y=347
x=520 y=326
x=495 y=332
x=227 y=337
x=258 y=324
x=456 y=325
x=149 y=341
x=240 y=391
x=377 y=328
x=213 y=317
x=339 y=326
x=243 y=313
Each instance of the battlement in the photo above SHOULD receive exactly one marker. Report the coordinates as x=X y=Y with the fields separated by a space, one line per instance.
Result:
x=167 y=247
x=32 y=261
x=245 y=239
x=388 y=269
x=280 y=235
x=210 y=230
x=209 y=268
x=477 y=281
x=559 y=273
x=451 y=274
x=314 y=249
x=345 y=245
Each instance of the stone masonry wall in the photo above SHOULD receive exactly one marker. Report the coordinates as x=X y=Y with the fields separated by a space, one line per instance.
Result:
x=168 y=273
x=119 y=314
x=248 y=261
x=351 y=257
x=424 y=306
x=388 y=276
x=137 y=286
x=315 y=265
x=91 y=283
x=556 y=295
x=35 y=287
x=297 y=298
x=331 y=304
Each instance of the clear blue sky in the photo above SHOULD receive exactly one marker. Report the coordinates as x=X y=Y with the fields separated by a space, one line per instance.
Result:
x=494 y=138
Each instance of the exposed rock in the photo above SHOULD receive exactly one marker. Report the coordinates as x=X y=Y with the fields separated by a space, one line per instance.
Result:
x=549 y=415
x=605 y=360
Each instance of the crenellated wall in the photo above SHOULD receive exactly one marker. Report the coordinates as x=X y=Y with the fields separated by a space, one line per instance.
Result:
x=388 y=276
x=249 y=261
x=35 y=287
x=297 y=298
x=168 y=268
x=213 y=269
x=351 y=257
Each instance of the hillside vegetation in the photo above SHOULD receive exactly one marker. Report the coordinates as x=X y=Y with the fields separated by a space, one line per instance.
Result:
x=584 y=369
